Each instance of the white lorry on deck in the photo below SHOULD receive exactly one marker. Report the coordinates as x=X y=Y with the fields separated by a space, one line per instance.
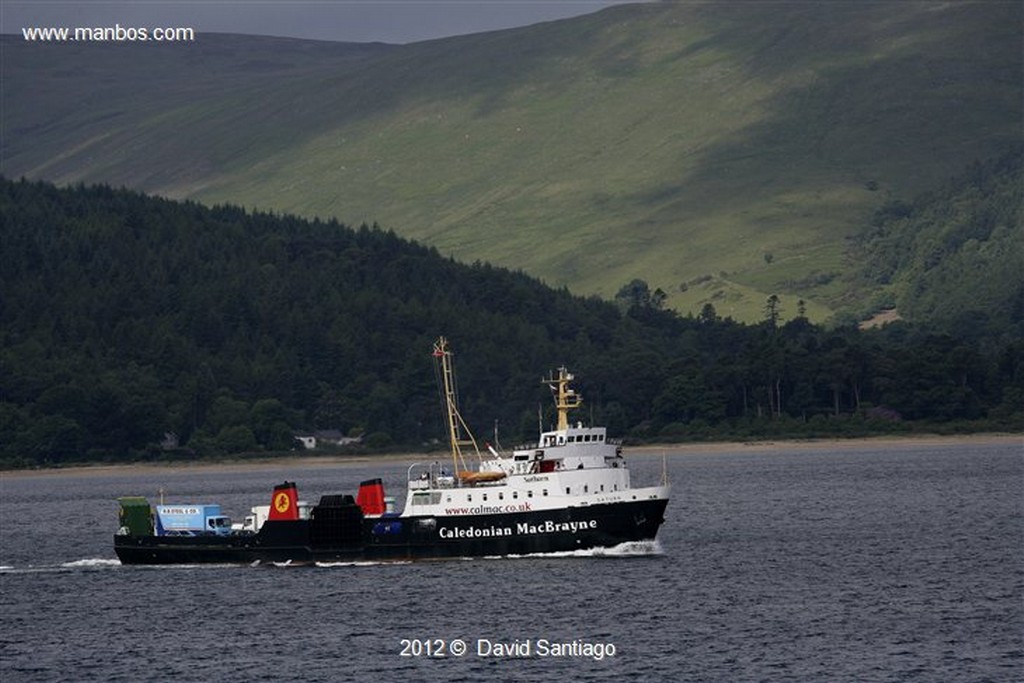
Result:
x=191 y=520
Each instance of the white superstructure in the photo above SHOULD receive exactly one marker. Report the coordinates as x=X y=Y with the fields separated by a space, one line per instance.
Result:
x=570 y=466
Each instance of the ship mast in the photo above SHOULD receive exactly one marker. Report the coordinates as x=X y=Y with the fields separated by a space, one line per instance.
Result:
x=566 y=398
x=456 y=425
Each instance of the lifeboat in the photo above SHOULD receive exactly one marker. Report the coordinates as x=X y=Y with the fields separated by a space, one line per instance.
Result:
x=480 y=477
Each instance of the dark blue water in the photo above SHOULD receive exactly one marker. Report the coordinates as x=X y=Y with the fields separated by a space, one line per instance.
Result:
x=864 y=564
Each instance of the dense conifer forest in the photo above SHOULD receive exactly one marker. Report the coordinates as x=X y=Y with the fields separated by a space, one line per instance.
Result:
x=138 y=328
x=955 y=256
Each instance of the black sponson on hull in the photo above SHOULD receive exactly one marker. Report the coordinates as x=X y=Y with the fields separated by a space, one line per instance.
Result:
x=338 y=531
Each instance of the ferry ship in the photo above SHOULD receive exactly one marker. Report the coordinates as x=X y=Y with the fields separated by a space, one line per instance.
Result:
x=569 y=491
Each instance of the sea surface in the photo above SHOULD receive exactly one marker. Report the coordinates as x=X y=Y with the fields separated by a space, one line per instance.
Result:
x=865 y=563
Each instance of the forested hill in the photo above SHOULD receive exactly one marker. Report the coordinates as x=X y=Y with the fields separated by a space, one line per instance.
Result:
x=721 y=150
x=124 y=318
x=954 y=256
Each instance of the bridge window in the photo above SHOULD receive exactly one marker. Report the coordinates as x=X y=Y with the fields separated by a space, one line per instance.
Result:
x=426 y=498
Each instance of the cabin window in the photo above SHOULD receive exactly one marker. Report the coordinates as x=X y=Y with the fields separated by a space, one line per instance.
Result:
x=602 y=488
x=501 y=496
x=426 y=498
x=515 y=495
x=567 y=490
x=529 y=494
x=469 y=498
x=544 y=492
x=586 y=488
x=600 y=437
x=485 y=496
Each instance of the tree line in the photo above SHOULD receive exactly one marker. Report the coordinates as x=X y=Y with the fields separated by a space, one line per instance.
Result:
x=135 y=327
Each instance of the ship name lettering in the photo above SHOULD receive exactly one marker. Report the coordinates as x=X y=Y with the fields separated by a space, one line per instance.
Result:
x=550 y=527
x=474 y=532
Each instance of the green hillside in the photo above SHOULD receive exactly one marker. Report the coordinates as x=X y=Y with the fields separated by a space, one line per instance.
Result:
x=720 y=151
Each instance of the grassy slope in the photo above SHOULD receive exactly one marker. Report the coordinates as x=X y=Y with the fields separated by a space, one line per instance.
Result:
x=666 y=142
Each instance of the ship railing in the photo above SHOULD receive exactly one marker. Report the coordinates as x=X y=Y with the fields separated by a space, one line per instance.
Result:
x=430 y=475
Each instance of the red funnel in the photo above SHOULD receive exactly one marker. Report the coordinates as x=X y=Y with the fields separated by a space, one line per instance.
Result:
x=371 y=497
x=284 y=504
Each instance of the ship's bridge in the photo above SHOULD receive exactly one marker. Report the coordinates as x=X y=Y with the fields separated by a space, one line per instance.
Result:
x=573 y=448
x=577 y=434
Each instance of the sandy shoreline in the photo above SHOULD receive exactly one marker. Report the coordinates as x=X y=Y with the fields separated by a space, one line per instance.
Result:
x=671 y=449
x=916 y=441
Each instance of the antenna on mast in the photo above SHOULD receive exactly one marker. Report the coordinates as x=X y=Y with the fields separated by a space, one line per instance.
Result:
x=566 y=398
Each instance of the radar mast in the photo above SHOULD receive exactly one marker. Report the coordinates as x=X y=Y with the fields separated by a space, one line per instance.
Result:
x=566 y=398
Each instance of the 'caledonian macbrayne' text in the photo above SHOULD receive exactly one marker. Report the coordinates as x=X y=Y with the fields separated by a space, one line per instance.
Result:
x=547 y=527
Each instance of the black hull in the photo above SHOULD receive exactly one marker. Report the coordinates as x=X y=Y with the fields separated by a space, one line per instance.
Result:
x=342 y=534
